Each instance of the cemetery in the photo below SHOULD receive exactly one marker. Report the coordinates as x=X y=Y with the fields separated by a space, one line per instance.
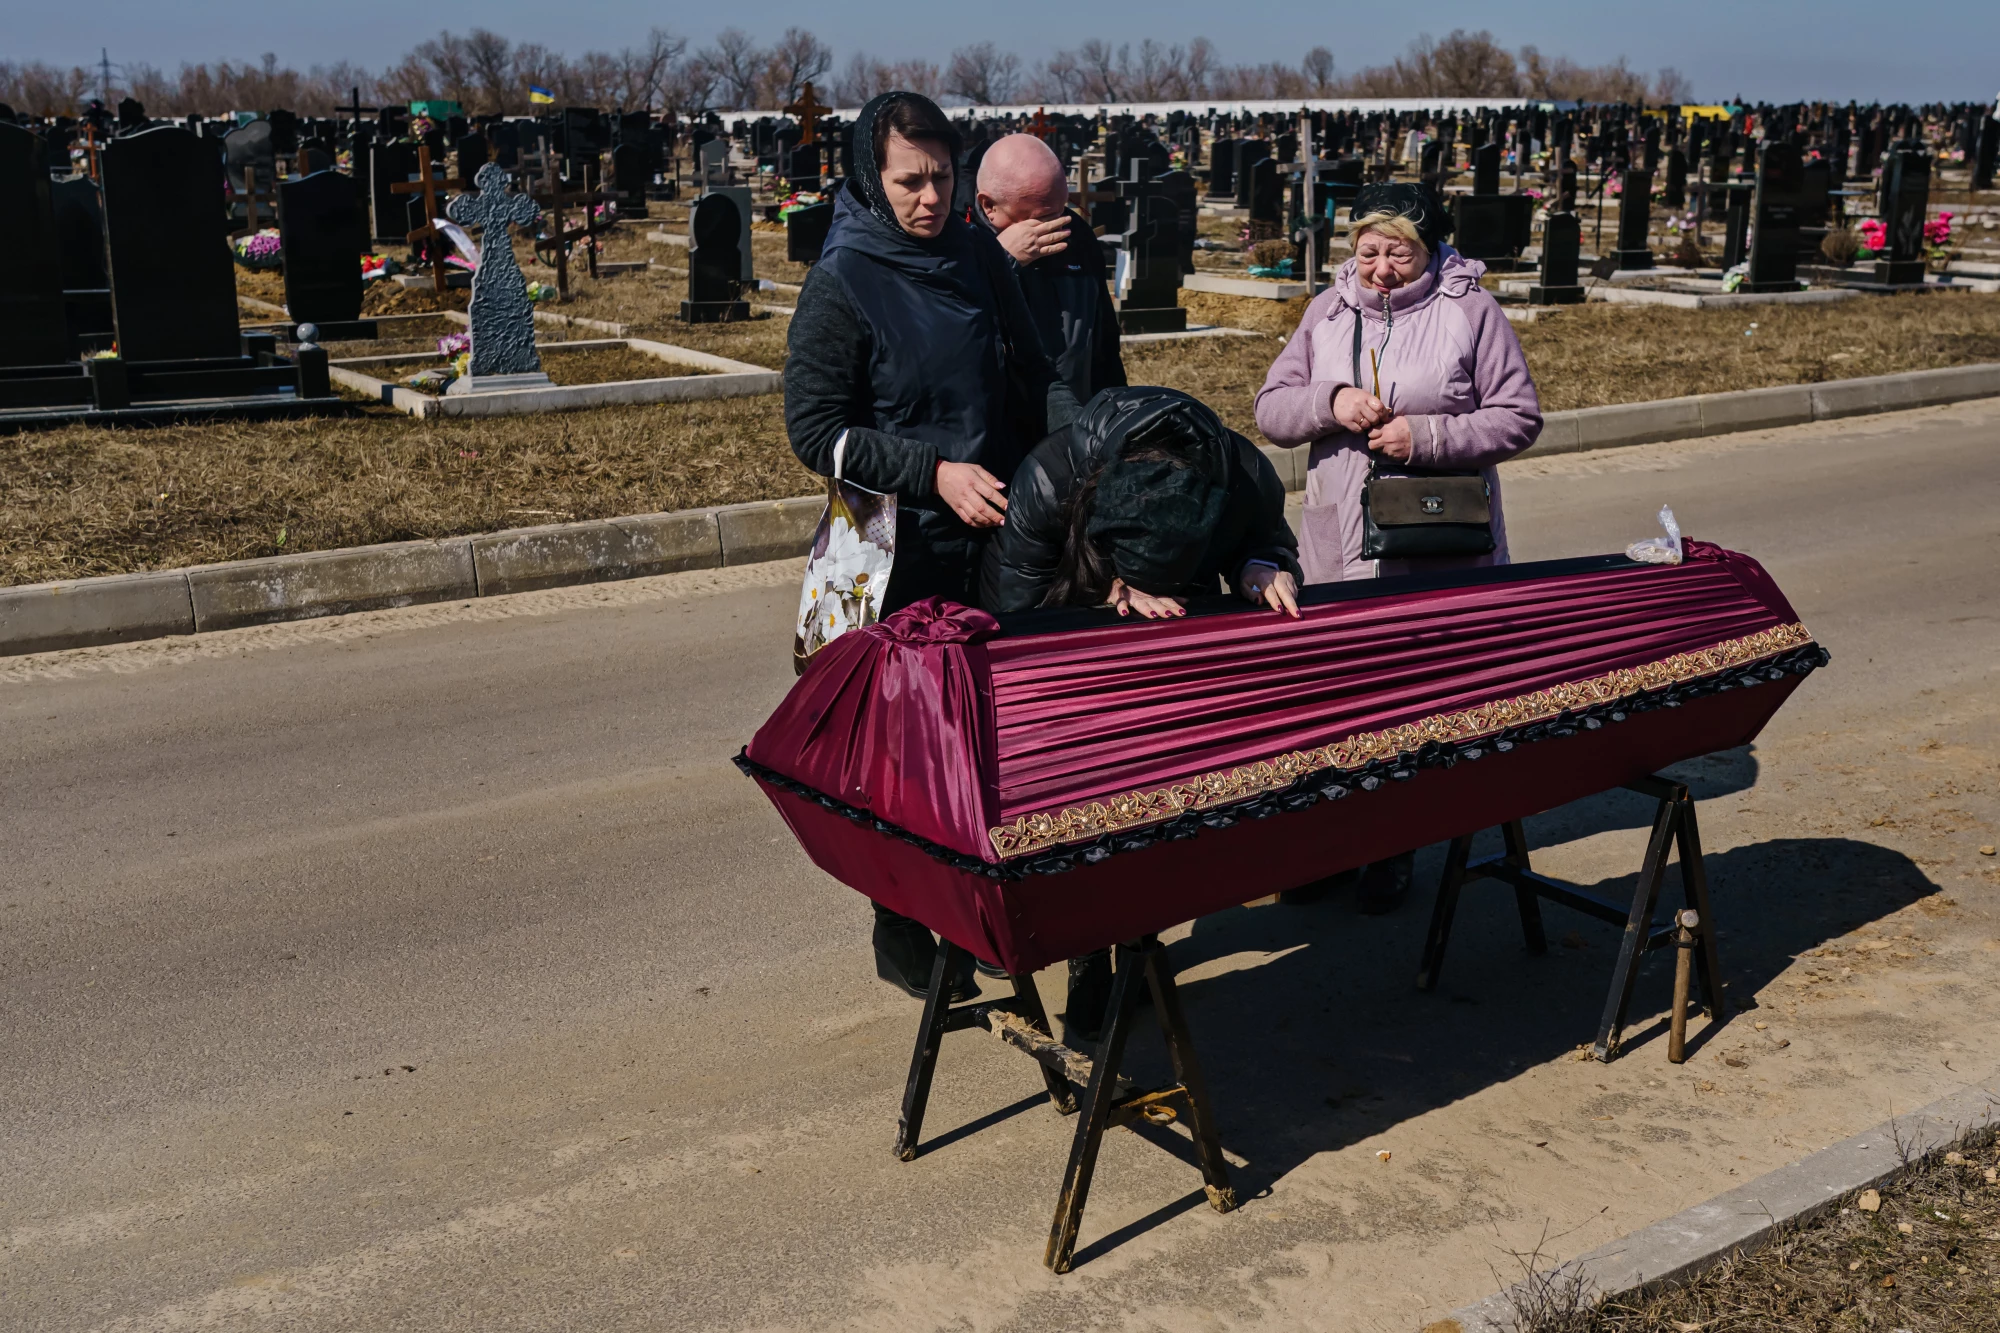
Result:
x=660 y=258
x=464 y=324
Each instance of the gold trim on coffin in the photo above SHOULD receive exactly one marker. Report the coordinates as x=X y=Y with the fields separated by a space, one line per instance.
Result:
x=1032 y=833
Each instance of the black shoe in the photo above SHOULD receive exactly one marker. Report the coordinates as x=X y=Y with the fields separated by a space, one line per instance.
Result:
x=906 y=954
x=1320 y=888
x=1385 y=884
x=1089 y=996
x=986 y=969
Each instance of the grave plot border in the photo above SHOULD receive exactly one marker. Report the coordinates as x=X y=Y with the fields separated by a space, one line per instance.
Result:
x=730 y=379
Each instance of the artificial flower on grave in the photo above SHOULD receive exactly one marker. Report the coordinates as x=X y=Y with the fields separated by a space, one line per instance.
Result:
x=799 y=199
x=419 y=127
x=462 y=363
x=378 y=266
x=1937 y=242
x=1733 y=279
x=454 y=343
x=541 y=291
x=259 y=250
x=1874 y=236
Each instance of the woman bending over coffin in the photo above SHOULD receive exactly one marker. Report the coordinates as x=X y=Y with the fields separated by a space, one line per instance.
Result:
x=914 y=360
x=1435 y=382
x=1145 y=501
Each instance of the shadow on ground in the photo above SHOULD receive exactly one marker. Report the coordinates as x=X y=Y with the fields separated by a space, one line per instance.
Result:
x=1319 y=1039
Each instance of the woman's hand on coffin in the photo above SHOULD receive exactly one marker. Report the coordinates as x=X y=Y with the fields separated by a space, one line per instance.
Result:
x=1391 y=439
x=973 y=493
x=1274 y=587
x=1358 y=411
x=1128 y=600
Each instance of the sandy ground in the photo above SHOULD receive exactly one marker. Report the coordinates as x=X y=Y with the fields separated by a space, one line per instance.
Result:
x=432 y=969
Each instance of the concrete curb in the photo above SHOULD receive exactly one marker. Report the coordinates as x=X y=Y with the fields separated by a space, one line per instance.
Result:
x=78 y=613
x=1688 y=1244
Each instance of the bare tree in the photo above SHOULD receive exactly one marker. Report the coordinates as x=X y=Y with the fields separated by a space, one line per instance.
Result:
x=1201 y=63
x=797 y=59
x=1060 y=79
x=1318 y=70
x=864 y=77
x=1101 y=68
x=983 y=74
x=689 y=87
x=1672 y=88
x=739 y=65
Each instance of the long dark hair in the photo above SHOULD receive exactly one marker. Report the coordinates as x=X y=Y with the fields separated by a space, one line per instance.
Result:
x=1084 y=573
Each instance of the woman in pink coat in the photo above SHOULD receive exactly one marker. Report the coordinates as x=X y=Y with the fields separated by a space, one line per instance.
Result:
x=1455 y=390
x=1455 y=394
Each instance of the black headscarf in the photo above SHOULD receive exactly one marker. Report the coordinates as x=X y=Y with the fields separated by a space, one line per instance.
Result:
x=866 y=182
x=1419 y=203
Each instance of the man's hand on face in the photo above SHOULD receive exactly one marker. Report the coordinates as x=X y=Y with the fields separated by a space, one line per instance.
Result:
x=1031 y=240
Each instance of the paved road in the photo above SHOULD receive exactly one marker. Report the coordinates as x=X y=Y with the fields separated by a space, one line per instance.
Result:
x=433 y=969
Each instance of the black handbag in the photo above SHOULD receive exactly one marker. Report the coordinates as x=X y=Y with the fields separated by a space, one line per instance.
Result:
x=1411 y=513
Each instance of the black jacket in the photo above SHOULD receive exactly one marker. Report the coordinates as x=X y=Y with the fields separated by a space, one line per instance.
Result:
x=1073 y=309
x=1020 y=563
x=921 y=351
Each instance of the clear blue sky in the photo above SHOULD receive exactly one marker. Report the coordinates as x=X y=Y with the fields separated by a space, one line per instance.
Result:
x=1945 y=50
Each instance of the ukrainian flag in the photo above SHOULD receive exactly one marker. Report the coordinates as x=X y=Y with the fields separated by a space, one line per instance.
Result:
x=540 y=95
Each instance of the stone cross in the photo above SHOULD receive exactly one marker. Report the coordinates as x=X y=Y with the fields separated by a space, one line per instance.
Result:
x=503 y=320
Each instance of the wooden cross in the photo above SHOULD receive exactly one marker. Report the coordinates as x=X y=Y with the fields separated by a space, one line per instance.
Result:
x=426 y=185
x=90 y=146
x=1040 y=127
x=252 y=196
x=554 y=198
x=808 y=109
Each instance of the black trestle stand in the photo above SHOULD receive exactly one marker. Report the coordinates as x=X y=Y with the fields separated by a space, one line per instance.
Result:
x=1107 y=1098
x=1674 y=828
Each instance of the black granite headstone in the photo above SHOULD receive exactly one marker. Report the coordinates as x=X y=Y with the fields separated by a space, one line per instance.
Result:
x=325 y=230
x=1904 y=206
x=631 y=173
x=1179 y=187
x=173 y=285
x=1562 y=243
x=1677 y=177
x=1986 y=155
x=1222 y=168
x=473 y=152
x=1486 y=169
x=1148 y=277
x=715 y=262
x=1266 y=199
x=805 y=232
x=1248 y=153
x=1775 y=213
x=34 y=331
x=389 y=213
x=249 y=151
x=1635 y=219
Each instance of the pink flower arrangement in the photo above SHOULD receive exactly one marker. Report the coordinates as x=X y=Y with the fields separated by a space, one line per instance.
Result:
x=1938 y=230
x=454 y=343
x=1874 y=233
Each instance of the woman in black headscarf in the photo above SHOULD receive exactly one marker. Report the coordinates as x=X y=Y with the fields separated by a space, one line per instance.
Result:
x=913 y=359
x=913 y=353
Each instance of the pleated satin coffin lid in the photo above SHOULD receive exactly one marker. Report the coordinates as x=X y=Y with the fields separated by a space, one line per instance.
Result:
x=992 y=746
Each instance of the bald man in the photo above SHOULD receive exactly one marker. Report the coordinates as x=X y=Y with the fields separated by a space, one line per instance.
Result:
x=1024 y=196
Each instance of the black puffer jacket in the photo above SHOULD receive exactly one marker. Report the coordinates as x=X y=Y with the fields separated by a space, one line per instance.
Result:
x=1021 y=561
x=918 y=351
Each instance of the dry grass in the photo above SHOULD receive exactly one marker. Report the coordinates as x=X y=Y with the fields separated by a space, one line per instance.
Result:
x=83 y=501
x=79 y=501
x=1850 y=1270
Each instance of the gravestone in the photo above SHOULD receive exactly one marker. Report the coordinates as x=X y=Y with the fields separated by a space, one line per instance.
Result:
x=505 y=139
x=1179 y=187
x=715 y=261
x=284 y=132
x=473 y=152
x=389 y=213
x=1677 y=175
x=1986 y=155
x=805 y=232
x=1775 y=212
x=502 y=318
x=1222 y=169
x=325 y=230
x=712 y=164
x=1736 y=223
x=131 y=115
x=173 y=284
x=251 y=160
x=34 y=331
x=1903 y=208
x=1147 y=275
x=1431 y=165
x=1248 y=153
x=1635 y=220
x=79 y=219
x=1492 y=226
x=1266 y=200
x=631 y=173
x=1562 y=243
x=1486 y=169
